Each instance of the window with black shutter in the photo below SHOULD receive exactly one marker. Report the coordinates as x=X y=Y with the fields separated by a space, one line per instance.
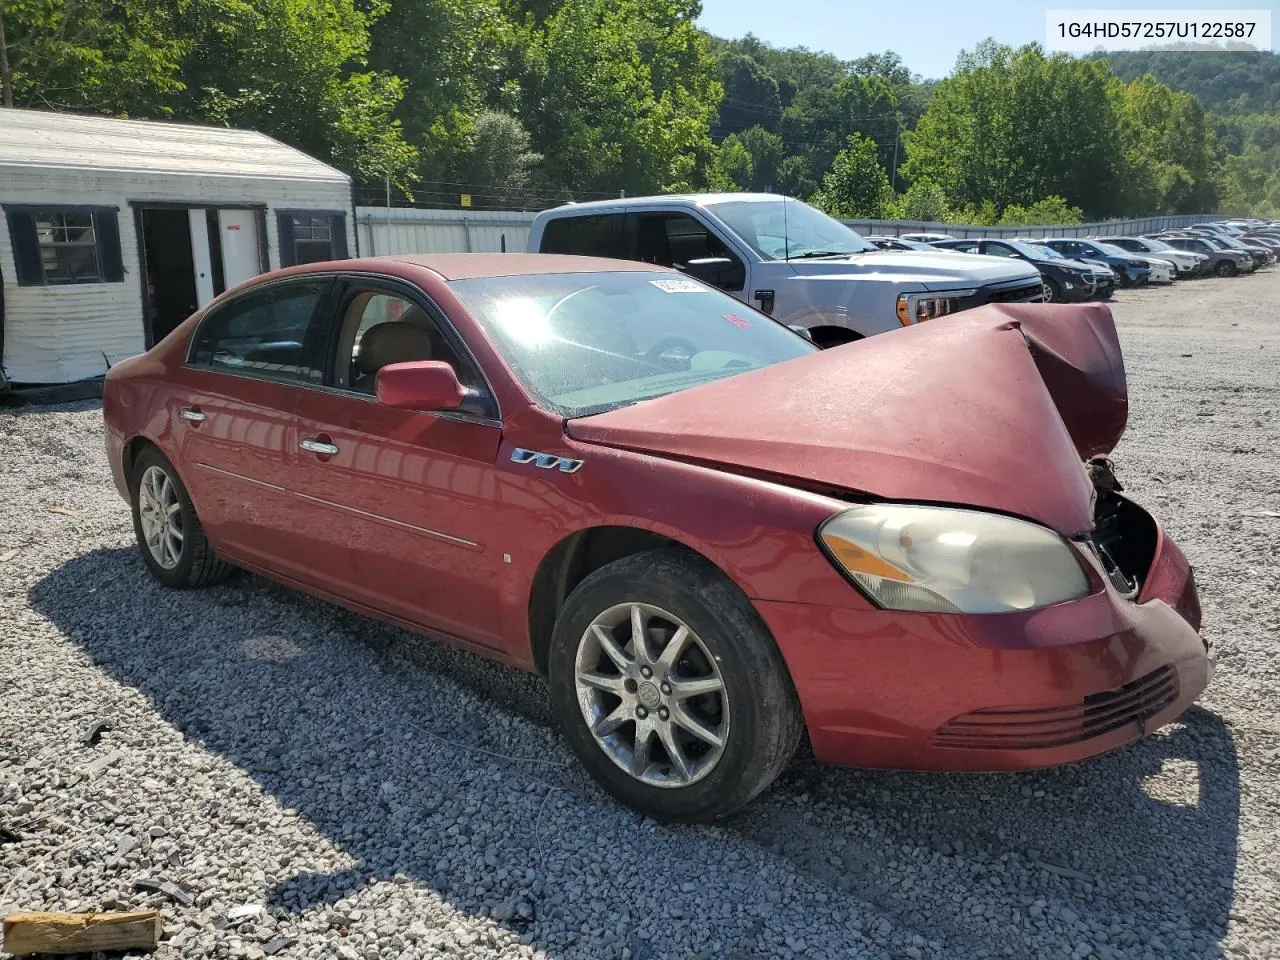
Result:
x=54 y=245
x=310 y=236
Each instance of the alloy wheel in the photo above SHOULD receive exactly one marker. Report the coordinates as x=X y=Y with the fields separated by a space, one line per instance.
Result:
x=652 y=695
x=161 y=514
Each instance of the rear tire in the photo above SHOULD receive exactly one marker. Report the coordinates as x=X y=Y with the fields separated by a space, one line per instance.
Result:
x=169 y=535
x=703 y=636
x=1225 y=269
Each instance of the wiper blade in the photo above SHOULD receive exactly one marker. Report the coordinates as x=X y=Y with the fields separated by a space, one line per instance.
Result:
x=813 y=254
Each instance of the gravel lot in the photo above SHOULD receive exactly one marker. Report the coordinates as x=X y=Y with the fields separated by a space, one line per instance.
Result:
x=324 y=786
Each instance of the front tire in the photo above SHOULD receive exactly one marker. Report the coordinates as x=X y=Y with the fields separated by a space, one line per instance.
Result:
x=169 y=535
x=1225 y=269
x=670 y=688
x=1052 y=291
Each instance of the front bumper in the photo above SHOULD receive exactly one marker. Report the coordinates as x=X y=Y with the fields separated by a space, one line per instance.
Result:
x=992 y=692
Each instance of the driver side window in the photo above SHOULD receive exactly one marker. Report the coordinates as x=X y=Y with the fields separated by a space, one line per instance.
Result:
x=380 y=328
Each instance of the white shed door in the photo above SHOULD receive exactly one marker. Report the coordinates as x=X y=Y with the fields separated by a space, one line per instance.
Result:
x=241 y=254
x=200 y=257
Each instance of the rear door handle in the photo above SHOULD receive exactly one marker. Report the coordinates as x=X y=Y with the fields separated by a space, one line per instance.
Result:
x=193 y=414
x=318 y=446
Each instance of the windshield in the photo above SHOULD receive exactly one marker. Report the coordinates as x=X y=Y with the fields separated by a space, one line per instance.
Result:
x=1026 y=249
x=1112 y=249
x=1234 y=244
x=1218 y=242
x=584 y=343
x=1041 y=250
x=788 y=229
x=1157 y=245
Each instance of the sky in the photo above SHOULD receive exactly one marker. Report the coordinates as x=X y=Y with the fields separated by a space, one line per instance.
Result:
x=927 y=34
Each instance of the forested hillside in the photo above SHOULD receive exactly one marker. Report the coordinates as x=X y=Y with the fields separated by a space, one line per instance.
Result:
x=531 y=102
x=1242 y=91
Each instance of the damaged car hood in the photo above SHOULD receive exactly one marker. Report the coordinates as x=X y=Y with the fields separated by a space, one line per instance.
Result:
x=994 y=408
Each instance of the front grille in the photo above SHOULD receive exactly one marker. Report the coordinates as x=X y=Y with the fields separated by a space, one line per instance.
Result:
x=1028 y=293
x=1016 y=728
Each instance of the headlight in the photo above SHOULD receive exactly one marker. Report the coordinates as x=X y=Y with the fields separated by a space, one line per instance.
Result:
x=918 y=307
x=944 y=559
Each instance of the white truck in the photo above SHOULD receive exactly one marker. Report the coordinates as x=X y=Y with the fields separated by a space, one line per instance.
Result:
x=787 y=259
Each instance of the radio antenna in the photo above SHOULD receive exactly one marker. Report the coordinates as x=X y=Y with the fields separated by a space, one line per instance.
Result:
x=786 y=234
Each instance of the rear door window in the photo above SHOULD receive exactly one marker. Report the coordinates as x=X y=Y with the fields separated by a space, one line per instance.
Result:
x=272 y=331
x=598 y=235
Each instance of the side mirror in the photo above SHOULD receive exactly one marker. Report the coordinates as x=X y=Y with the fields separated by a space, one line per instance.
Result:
x=803 y=331
x=419 y=385
x=722 y=272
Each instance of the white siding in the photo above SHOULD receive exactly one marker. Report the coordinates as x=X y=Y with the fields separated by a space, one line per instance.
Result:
x=406 y=230
x=58 y=334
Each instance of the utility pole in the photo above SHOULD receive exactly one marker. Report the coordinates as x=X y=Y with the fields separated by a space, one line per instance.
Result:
x=897 y=135
x=6 y=80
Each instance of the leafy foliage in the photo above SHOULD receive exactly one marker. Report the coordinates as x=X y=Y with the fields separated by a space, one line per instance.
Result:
x=857 y=185
x=529 y=101
x=1050 y=210
x=1230 y=82
x=619 y=94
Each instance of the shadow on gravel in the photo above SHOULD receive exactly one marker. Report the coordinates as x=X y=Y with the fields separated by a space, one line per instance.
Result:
x=344 y=721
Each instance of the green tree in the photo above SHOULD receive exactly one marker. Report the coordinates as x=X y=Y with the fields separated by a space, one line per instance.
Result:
x=1050 y=210
x=857 y=185
x=1170 y=150
x=1013 y=126
x=620 y=94
x=732 y=169
x=795 y=178
x=296 y=69
x=923 y=200
x=750 y=94
x=109 y=58
x=454 y=58
x=766 y=152
x=501 y=160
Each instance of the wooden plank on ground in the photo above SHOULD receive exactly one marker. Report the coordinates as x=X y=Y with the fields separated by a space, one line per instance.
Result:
x=28 y=933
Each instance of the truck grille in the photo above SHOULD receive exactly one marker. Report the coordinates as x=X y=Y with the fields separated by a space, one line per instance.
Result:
x=1001 y=728
x=1028 y=293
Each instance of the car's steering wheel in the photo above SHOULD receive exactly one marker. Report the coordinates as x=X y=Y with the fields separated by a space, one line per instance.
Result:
x=672 y=352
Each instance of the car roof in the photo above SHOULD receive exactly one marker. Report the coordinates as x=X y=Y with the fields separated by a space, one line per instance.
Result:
x=473 y=266
x=670 y=199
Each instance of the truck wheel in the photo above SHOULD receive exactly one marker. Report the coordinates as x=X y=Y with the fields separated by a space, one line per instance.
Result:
x=1225 y=269
x=828 y=337
x=669 y=687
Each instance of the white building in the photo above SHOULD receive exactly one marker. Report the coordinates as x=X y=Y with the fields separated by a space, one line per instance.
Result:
x=114 y=231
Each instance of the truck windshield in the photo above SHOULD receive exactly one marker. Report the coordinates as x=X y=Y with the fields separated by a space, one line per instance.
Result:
x=788 y=229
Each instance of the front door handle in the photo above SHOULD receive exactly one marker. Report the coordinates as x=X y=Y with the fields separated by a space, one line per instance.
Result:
x=318 y=446
x=193 y=414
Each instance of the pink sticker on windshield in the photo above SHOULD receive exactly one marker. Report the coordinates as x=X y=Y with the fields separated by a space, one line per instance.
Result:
x=737 y=321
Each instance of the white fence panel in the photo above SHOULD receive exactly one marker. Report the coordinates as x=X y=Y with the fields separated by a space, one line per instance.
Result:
x=385 y=231
x=1102 y=228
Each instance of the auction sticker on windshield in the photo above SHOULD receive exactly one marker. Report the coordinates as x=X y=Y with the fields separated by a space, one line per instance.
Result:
x=680 y=286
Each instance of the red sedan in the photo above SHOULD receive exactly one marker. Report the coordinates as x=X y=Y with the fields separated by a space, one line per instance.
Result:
x=712 y=537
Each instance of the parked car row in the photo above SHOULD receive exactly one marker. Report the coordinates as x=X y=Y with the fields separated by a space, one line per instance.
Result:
x=1085 y=268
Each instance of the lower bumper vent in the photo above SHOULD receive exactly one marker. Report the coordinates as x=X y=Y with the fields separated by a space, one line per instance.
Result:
x=1001 y=728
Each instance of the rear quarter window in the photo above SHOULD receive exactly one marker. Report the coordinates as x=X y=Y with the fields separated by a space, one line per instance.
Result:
x=588 y=236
